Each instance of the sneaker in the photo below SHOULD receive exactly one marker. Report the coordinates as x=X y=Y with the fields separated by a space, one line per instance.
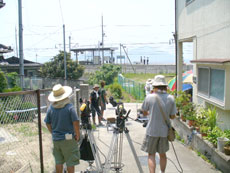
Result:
x=100 y=124
x=102 y=119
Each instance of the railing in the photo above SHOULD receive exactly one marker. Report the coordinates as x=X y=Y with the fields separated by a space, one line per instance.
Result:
x=136 y=89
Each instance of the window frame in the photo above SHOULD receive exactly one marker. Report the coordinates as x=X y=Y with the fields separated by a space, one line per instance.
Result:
x=187 y=2
x=208 y=97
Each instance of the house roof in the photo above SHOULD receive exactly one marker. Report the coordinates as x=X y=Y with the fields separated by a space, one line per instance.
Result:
x=5 y=49
x=211 y=61
x=15 y=60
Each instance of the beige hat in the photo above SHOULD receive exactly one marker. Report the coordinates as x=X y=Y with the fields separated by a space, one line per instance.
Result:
x=59 y=93
x=159 y=80
x=96 y=86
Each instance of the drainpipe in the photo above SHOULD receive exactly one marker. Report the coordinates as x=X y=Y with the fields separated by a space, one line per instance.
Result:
x=176 y=41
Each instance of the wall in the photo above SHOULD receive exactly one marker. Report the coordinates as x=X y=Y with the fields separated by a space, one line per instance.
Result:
x=207 y=24
x=156 y=69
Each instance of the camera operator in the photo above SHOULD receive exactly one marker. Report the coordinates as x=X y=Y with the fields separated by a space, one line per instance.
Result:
x=94 y=100
x=157 y=130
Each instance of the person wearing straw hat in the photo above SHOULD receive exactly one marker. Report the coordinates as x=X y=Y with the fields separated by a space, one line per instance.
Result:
x=94 y=100
x=63 y=123
x=157 y=130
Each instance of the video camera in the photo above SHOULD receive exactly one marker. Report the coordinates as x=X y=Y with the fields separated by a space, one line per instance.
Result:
x=85 y=111
x=120 y=110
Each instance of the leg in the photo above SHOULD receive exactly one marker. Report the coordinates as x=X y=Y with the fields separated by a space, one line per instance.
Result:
x=93 y=114
x=70 y=169
x=98 y=114
x=59 y=168
x=152 y=163
x=163 y=161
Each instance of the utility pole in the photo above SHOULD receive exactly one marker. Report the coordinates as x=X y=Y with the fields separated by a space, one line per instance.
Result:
x=120 y=52
x=70 y=44
x=102 y=42
x=65 y=78
x=129 y=59
x=21 y=60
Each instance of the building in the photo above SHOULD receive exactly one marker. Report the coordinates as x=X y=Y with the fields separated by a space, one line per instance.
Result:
x=12 y=65
x=206 y=23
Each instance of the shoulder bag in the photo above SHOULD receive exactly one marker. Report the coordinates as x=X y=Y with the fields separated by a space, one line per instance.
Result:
x=171 y=130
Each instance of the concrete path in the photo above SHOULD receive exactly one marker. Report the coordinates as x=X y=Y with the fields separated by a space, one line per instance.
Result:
x=191 y=163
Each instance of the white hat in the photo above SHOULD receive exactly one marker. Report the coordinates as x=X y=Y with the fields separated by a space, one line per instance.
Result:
x=59 y=93
x=159 y=80
x=96 y=86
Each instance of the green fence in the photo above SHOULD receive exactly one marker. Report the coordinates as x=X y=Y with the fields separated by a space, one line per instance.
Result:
x=136 y=89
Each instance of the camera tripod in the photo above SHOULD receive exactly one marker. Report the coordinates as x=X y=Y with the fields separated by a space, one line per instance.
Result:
x=116 y=147
x=88 y=131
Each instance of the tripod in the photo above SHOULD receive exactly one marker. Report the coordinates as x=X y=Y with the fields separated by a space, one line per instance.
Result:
x=116 y=146
x=88 y=132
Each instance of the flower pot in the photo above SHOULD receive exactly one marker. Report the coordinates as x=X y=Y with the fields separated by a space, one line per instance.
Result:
x=183 y=118
x=204 y=134
x=221 y=143
x=190 y=123
x=227 y=150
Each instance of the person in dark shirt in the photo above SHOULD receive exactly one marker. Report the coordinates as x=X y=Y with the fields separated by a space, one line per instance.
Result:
x=94 y=100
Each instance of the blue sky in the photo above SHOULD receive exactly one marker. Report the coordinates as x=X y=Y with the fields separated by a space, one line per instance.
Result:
x=143 y=26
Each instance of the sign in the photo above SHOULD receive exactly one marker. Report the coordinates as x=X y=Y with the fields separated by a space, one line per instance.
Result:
x=120 y=57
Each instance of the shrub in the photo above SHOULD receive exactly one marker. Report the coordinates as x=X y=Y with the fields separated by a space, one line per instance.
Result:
x=3 y=81
x=116 y=90
x=214 y=134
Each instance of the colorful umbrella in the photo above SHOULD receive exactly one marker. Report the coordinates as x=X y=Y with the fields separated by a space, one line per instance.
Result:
x=187 y=81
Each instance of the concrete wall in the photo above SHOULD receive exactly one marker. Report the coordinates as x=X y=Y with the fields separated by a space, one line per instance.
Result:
x=206 y=23
x=156 y=69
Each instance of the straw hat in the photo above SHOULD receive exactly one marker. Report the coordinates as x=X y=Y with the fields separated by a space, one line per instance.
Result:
x=159 y=80
x=59 y=93
x=96 y=86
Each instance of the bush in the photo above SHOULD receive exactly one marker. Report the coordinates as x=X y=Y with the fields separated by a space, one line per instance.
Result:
x=14 y=89
x=116 y=90
x=3 y=81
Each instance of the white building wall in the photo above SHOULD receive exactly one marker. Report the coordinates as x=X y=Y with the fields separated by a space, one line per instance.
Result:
x=207 y=24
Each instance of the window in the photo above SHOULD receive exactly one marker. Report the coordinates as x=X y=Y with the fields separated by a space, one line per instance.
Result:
x=189 y=2
x=211 y=83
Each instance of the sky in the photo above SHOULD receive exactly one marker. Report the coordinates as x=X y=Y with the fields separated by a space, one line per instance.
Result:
x=144 y=27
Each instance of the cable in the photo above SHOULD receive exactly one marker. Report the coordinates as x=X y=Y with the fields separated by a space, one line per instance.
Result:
x=177 y=160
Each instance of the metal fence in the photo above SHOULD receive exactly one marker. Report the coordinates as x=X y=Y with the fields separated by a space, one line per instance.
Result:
x=34 y=83
x=136 y=89
x=25 y=142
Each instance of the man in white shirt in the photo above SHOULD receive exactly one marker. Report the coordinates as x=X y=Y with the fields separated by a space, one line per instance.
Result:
x=157 y=130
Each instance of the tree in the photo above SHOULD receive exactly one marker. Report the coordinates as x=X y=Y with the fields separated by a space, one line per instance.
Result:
x=55 y=68
x=107 y=72
x=3 y=81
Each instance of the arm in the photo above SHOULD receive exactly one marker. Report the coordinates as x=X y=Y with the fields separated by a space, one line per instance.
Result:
x=49 y=127
x=77 y=130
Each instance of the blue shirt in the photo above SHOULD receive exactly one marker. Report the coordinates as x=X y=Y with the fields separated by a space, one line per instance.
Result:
x=61 y=121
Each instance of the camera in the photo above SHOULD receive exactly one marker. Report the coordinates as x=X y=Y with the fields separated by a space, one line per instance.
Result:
x=120 y=110
x=85 y=111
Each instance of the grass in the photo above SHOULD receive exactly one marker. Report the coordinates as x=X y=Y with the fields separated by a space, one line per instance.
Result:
x=142 y=77
x=26 y=130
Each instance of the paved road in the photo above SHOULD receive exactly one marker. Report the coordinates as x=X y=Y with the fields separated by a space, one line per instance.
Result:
x=190 y=162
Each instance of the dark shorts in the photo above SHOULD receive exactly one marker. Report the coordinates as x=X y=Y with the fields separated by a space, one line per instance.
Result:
x=66 y=151
x=152 y=144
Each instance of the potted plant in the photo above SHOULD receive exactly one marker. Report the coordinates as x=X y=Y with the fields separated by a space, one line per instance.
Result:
x=204 y=130
x=227 y=148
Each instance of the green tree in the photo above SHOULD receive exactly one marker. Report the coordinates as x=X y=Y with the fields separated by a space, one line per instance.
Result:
x=12 y=79
x=107 y=72
x=55 y=68
x=3 y=81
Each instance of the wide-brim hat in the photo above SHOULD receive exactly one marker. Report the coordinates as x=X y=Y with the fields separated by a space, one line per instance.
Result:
x=96 y=86
x=59 y=93
x=159 y=80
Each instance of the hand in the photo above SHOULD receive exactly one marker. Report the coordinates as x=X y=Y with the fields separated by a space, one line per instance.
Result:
x=77 y=138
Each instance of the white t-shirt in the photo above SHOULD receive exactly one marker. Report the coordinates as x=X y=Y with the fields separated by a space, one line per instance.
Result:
x=156 y=126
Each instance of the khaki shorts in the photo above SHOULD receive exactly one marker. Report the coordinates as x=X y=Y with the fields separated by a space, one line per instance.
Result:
x=152 y=144
x=66 y=151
